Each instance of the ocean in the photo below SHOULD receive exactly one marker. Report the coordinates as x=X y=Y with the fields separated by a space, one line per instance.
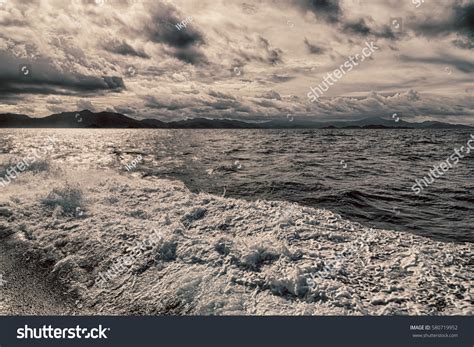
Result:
x=363 y=175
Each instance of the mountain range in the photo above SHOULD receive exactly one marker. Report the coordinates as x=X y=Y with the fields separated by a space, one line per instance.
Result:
x=88 y=119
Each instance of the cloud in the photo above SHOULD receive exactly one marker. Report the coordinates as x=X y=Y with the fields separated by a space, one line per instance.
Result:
x=313 y=49
x=114 y=82
x=81 y=51
x=358 y=27
x=56 y=109
x=273 y=55
x=123 y=48
x=461 y=64
x=128 y=111
x=154 y=102
x=184 y=43
x=85 y=105
x=464 y=19
x=279 y=78
x=53 y=100
x=271 y=94
x=412 y=105
x=256 y=48
x=463 y=43
x=361 y=27
x=328 y=10
x=221 y=95
x=412 y=95
x=42 y=76
x=458 y=20
x=191 y=55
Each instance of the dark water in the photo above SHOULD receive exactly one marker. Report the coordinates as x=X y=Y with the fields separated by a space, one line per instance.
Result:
x=365 y=176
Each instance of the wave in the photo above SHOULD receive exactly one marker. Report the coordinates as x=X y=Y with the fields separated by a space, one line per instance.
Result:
x=166 y=251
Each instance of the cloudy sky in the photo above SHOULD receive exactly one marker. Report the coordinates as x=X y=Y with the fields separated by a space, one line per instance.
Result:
x=251 y=60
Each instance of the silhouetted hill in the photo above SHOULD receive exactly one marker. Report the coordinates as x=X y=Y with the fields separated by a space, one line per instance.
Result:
x=204 y=123
x=12 y=120
x=82 y=119
x=155 y=123
x=88 y=119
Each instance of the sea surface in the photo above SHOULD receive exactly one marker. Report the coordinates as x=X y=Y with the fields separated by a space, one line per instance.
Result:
x=364 y=175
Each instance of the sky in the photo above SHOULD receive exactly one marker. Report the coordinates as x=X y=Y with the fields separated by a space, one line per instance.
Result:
x=248 y=60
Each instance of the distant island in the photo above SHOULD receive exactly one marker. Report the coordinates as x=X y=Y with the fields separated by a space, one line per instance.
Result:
x=111 y=120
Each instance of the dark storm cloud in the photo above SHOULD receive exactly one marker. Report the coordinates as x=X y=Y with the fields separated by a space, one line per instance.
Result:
x=191 y=55
x=358 y=27
x=161 y=28
x=331 y=12
x=114 y=82
x=44 y=78
x=461 y=21
x=123 y=48
x=361 y=28
x=464 y=19
x=464 y=44
x=328 y=10
x=387 y=33
x=313 y=49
